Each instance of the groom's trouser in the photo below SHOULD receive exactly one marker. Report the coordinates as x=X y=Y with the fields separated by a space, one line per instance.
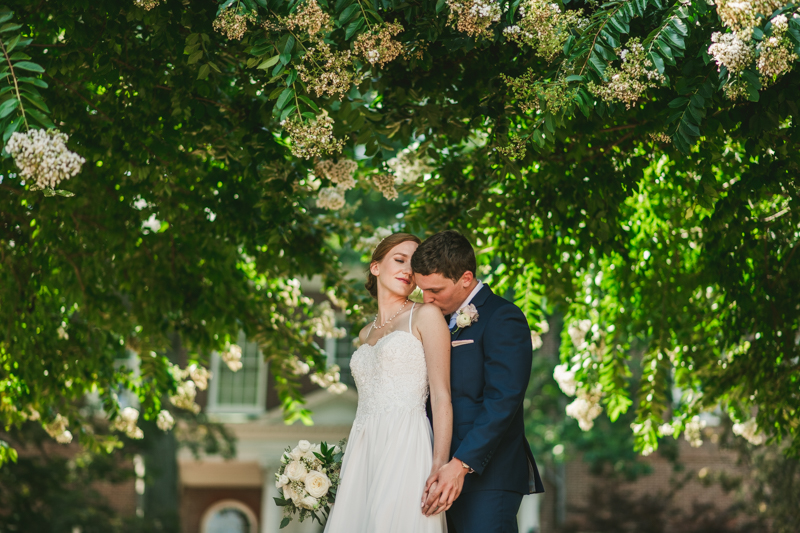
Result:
x=484 y=511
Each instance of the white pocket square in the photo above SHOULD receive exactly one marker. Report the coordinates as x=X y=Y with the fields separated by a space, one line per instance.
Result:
x=461 y=343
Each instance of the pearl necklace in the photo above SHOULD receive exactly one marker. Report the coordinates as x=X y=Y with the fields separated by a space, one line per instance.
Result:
x=375 y=322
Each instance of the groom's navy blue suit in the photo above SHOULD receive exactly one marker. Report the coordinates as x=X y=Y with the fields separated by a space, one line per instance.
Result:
x=488 y=378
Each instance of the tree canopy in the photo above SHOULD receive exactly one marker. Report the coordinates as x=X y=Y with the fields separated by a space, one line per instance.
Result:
x=631 y=163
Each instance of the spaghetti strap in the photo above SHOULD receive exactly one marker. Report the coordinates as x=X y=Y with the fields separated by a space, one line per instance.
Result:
x=410 y=315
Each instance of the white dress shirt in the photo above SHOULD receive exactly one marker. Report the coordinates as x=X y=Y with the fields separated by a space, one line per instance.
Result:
x=475 y=291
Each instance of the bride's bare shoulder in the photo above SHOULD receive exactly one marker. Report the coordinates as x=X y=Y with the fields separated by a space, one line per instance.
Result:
x=427 y=312
x=362 y=335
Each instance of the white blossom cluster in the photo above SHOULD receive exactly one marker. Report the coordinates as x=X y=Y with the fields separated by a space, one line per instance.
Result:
x=126 y=423
x=314 y=138
x=565 y=379
x=693 y=431
x=146 y=4
x=298 y=367
x=577 y=332
x=776 y=54
x=408 y=166
x=329 y=380
x=339 y=172
x=385 y=184
x=731 y=51
x=324 y=323
x=536 y=336
x=586 y=407
x=58 y=429
x=331 y=198
x=628 y=83
x=233 y=357
x=164 y=421
x=474 y=17
x=43 y=156
x=741 y=15
x=749 y=431
x=544 y=27
x=184 y=396
x=368 y=243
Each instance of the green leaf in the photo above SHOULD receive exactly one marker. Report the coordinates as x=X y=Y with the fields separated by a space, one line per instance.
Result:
x=657 y=61
x=619 y=25
x=574 y=77
x=352 y=28
x=195 y=57
x=690 y=128
x=28 y=65
x=285 y=522
x=285 y=96
x=310 y=103
x=11 y=128
x=203 y=72
x=8 y=106
x=62 y=192
x=9 y=27
x=269 y=62
x=288 y=111
x=598 y=64
x=41 y=118
x=678 y=102
x=11 y=44
x=37 y=101
x=347 y=14
x=5 y=17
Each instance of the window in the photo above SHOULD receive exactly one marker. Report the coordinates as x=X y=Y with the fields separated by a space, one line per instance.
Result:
x=229 y=516
x=339 y=352
x=243 y=391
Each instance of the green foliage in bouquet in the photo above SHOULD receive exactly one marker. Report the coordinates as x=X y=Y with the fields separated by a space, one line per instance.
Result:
x=309 y=478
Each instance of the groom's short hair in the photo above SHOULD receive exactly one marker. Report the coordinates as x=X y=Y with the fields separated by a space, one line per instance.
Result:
x=447 y=253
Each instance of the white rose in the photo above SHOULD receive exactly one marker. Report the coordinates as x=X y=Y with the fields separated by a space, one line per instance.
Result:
x=309 y=502
x=304 y=446
x=284 y=479
x=290 y=494
x=463 y=320
x=296 y=454
x=296 y=471
x=317 y=484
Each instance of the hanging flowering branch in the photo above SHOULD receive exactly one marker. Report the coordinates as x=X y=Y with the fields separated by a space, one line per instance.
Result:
x=41 y=155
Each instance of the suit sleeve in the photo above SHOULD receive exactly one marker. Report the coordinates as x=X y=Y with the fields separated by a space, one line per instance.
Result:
x=507 y=369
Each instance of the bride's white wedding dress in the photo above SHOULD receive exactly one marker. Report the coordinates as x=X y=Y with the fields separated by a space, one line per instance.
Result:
x=390 y=449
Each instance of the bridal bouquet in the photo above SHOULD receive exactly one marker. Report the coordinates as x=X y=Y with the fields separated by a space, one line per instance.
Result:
x=309 y=477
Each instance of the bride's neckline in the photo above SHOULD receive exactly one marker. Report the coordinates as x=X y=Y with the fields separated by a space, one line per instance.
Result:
x=389 y=335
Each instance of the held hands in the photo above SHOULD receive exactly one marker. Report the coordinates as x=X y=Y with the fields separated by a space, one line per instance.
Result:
x=443 y=487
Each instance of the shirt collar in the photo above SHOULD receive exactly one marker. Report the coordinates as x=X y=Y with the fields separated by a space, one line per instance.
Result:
x=475 y=291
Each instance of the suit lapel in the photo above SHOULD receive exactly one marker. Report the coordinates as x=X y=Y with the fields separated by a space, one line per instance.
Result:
x=477 y=301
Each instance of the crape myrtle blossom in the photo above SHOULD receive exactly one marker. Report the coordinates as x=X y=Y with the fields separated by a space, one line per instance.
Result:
x=693 y=431
x=329 y=380
x=474 y=17
x=126 y=423
x=544 y=27
x=310 y=139
x=233 y=357
x=628 y=83
x=378 y=45
x=742 y=14
x=368 y=243
x=731 y=51
x=331 y=198
x=565 y=379
x=233 y=24
x=385 y=184
x=586 y=407
x=776 y=54
x=749 y=431
x=43 y=157
x=184 y=396
x=164 y=421
x=146 y=4
x=409 y=165
x=58 y=430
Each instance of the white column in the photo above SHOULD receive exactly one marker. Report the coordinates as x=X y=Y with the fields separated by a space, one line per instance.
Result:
x=271 y=514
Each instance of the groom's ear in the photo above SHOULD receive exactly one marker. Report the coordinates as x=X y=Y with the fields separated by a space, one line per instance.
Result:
x=467 y=278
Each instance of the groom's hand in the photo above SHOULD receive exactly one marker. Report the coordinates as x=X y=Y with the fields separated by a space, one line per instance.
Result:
x=444 y=488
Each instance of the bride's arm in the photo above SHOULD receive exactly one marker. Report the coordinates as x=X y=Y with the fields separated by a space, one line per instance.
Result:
x=432 y=328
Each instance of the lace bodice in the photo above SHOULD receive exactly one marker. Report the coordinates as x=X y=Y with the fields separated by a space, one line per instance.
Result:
x=391 y=376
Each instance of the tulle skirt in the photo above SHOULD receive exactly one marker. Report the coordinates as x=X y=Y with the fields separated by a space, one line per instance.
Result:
x=386 y=463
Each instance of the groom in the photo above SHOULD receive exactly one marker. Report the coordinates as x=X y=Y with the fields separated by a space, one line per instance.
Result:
x=492 y=465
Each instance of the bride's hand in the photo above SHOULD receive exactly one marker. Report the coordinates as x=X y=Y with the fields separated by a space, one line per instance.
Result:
x=430 y=485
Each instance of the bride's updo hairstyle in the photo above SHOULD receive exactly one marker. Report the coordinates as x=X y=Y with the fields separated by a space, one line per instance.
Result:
x=380 y=251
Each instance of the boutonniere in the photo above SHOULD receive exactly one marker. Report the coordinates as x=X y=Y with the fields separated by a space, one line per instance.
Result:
x=466 y=316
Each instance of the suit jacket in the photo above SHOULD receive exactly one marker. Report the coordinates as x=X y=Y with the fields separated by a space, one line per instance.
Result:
x=488 y=378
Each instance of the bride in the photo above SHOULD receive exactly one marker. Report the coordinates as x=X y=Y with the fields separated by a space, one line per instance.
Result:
x=404 y=355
